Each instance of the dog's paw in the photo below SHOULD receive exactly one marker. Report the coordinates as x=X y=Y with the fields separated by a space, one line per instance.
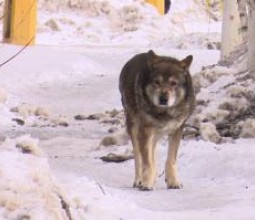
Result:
x=179 y=186
x=137 y=184
x=173 y=185
x=146 y=188
x=143 y=186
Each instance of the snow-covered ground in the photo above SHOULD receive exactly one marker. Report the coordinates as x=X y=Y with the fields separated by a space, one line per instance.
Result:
x=50 y=166
x=114 y=22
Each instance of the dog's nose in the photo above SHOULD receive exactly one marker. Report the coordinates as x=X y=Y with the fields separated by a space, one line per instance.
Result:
x=163 y=100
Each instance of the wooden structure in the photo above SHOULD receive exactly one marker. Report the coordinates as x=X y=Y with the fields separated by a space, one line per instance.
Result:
x=159 y=4
x=20 y=21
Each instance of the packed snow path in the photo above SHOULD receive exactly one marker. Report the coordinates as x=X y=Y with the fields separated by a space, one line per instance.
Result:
x=218 y=179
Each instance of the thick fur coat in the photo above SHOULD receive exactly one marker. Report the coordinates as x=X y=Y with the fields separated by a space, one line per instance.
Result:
x=158 y=97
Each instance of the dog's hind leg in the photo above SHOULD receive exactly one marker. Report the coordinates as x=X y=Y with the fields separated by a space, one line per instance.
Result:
x=171 y=178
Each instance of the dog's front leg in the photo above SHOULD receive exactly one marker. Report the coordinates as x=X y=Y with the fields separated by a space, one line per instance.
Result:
x=171 y=178
x=147 y=146
x=137 y=156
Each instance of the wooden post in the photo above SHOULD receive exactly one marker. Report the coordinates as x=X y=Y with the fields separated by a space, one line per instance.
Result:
x=159 y=4
x=20 y=21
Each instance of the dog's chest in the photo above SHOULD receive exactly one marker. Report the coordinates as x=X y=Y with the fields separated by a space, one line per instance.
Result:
x=165 y=127
x=169 y=127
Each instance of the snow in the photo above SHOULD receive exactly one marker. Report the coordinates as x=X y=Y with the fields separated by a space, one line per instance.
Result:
x=50 y=166
x=127 y=22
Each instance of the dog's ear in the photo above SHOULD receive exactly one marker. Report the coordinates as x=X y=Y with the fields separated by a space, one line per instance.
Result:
x=152 y=58
x=185 y=63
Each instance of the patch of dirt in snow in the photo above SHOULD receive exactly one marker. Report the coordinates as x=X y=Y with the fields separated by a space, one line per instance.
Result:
x=226 y=99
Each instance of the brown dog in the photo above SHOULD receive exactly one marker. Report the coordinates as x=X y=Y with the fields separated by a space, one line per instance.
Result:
x=158 y=97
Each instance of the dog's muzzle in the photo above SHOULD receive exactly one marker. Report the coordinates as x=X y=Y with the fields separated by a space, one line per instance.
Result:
x=163 y=100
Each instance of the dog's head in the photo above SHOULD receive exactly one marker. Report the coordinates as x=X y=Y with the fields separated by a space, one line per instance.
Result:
x=167 y=82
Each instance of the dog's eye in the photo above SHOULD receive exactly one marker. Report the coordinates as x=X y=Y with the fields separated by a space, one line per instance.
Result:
x=157 y=82
x=173 y=83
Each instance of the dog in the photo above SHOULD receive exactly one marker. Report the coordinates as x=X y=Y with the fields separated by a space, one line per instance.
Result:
x=158 y=97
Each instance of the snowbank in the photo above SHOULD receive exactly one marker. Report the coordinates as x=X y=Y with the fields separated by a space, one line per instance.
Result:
x=117 y=22
x=131 y=22
x=225 y=98
x=28 y=188
x=5 y=114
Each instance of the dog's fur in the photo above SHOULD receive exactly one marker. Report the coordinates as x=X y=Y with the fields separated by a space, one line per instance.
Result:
x=158 y=97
